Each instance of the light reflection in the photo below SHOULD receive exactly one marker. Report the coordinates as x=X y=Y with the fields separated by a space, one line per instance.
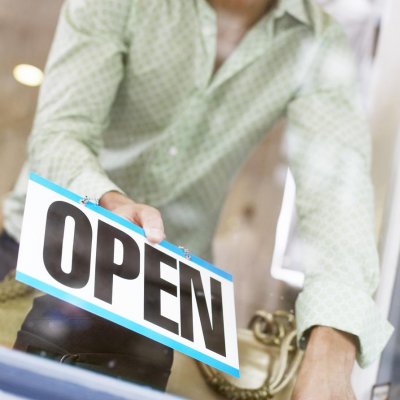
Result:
x=28 y=75
x=279 y=267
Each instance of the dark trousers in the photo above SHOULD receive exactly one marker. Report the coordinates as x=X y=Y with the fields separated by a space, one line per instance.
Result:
x=8 y=254
x=63 y=332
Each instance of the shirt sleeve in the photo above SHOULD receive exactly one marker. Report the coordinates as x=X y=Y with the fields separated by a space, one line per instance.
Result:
x=82 y=76
x=329 y=155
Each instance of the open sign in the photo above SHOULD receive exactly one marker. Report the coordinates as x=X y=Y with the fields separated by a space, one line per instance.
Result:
x=96 y=260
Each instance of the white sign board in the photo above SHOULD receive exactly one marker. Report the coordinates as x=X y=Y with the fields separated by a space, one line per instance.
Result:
x=86 y=255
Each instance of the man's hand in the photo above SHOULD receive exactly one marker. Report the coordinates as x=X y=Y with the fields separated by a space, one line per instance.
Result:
x=325 y=373
x=143 y=215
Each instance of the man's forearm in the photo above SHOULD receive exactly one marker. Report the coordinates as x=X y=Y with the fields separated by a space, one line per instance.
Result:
x=324 y=341
x=326 y=369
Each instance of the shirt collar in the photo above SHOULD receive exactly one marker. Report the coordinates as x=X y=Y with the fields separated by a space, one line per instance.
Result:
x=296 y=8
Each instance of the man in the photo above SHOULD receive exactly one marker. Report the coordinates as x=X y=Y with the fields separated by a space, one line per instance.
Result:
x=151 y=106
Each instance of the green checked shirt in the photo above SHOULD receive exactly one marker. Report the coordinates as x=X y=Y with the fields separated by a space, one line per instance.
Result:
x=130 y=103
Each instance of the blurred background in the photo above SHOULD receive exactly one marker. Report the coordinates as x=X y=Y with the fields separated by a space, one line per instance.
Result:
x=258 y=213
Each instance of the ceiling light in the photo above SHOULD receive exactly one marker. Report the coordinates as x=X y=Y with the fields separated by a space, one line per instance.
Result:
x=28 y=75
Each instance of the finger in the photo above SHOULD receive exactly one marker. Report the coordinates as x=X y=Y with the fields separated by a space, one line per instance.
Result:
x=150 y=220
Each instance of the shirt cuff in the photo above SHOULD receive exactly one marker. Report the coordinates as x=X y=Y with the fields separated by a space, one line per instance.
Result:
x=93 y=184
x=349 y=309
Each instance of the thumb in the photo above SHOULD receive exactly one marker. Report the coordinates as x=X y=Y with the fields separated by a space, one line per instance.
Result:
x=150 y=220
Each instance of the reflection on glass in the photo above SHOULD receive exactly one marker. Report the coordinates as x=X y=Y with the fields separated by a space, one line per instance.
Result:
x=28 y=75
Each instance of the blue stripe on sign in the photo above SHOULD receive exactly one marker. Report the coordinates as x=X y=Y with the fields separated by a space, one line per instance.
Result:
x=124 y=222
x=44 y=287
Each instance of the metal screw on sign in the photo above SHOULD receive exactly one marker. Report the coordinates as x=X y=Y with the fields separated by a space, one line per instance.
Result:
x=85 y=200
x=188 y=256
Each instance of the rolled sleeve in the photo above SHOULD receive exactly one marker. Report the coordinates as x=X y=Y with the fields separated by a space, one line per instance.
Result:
x=345 y=307
x=329 y=154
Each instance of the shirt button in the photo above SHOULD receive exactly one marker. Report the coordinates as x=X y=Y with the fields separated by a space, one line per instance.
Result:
x=173 y=151
x=207 y=30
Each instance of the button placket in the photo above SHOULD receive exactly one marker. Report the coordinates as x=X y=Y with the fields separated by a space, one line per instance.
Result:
x=208 y=32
